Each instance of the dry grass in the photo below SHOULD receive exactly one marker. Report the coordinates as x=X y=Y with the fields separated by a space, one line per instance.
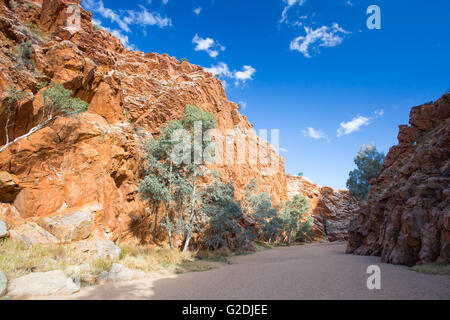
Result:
x=432 y=268
x=17 y=260
x=147 y=258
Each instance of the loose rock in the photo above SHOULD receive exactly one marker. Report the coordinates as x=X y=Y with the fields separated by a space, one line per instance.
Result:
x=42 y=284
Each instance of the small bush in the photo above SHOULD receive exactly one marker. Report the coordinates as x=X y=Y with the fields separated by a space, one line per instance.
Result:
x=58 y=100
x=432 y=268
x=184 y=60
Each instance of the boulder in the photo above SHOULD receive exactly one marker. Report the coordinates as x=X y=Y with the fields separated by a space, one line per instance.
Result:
x=119 y=272
x=3 y=229
x=9 y=187
x=42 y=284
x=31 y=234
x=69 y=227
x=100 y=248
x=3 y=283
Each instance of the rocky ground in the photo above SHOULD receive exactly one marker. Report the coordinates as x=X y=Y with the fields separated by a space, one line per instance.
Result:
x=317 y=271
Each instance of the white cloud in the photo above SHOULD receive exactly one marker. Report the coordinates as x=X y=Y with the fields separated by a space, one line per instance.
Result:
x=209 y=45
x=283 y=149
x=320 y=37
x=349 y=3
x=147 y=18
x=356 y=123
x=98 y=6
x=310 y=132
x=289 y=4
x=351 y=126
x=197 y=10
x=164 y=2
x=221 y=70
x=142 y=17
x=123 y=38
x=244 y=75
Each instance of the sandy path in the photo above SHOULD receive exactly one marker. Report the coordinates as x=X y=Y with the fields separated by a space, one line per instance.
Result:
x=317 y=271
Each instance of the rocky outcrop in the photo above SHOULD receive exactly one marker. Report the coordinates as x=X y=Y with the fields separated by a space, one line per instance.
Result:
x=331 y=209
x=71 y=226
x=98 y=157
x=9 y=187
x=31 y=234
x=407 y=216
x=42 y=284
x=99 y=248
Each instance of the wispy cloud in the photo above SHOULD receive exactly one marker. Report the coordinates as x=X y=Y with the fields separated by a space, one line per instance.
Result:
x=197 y=10
x=283 y=150
x=320 y=37
x=289 y=4
x=209 y=45
x=223 y=71
x=310 y=132
x=147 y=18
x=356 y=123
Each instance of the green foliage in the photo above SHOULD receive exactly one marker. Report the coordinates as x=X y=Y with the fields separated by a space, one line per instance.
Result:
x=369 y=163
x=172 y=183
x=58 y=100
x=24 y=54
x=293 y=219
x=259 y=206
x=184 y=60
x=97 y=27
x=223 y=215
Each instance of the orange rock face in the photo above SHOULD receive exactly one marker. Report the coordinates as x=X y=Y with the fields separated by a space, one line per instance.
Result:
x=98 y=156
x=407 y=216
x=332 y=210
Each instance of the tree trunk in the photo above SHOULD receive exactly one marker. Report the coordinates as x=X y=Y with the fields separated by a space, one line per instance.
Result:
x=186 y=243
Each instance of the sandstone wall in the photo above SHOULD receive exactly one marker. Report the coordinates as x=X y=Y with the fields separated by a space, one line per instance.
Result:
x=97 y=159
x=332 y=209
x=407 y=216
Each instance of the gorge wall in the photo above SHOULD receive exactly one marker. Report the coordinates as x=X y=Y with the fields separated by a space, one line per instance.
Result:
x=332 y=210
x=407 y=216
x=94 y=162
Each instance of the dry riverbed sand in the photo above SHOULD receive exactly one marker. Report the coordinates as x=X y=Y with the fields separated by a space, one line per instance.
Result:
x=316 y=271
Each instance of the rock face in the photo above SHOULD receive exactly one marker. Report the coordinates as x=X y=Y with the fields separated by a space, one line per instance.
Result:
x=42 y=284
x=407 y=216
x=8 y=187
x=332 y=209
x=98 y=157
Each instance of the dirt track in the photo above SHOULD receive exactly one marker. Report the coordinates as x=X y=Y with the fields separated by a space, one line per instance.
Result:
x=317 y=271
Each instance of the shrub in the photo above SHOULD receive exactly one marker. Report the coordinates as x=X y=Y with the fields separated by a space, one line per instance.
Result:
x=24 y=53
x=58 y=101
x=369 y=163
x=184 y=60
x=223 y=215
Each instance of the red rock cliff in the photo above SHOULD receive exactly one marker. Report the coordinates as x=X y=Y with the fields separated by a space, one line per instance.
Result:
x=332 y=210
x=407 y=216
x=96 y=159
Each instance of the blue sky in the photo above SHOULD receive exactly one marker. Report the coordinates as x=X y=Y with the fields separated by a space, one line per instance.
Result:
x=310 y=68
